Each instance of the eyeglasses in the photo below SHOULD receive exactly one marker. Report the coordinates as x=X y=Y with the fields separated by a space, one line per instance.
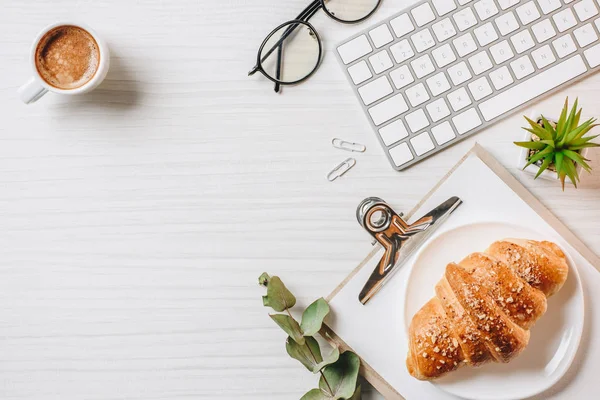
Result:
x=300 y=43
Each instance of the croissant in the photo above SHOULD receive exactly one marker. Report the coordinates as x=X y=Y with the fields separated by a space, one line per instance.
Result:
x=484 y=307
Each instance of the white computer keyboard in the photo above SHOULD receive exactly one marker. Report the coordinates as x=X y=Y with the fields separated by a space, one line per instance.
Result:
x=442 y=70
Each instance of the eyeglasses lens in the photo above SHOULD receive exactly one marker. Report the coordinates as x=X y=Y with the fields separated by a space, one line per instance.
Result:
x=291 y=53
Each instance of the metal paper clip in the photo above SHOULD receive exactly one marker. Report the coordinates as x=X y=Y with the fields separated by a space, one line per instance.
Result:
x=349 y=146
x=341 y=169
x=398 y=238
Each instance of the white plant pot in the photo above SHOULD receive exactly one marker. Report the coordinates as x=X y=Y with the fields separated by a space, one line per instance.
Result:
x=533 y=168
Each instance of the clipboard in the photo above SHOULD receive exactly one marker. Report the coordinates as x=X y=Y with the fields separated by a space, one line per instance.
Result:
x=340 y=328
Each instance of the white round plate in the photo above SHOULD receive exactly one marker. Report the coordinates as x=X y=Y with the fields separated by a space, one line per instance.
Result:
x=554 y=339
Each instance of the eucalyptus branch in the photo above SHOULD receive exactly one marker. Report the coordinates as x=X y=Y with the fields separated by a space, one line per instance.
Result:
x=338 y=372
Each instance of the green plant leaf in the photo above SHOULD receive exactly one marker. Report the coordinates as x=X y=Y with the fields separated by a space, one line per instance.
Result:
x=309 y=353
x=569 y=169
x=341 y=377
x=314 y=394
x=531 y=145
x=558 y=162
x=560 y=125
x=538 y=130
x=290 y=326
x=549 y=127
x=544 y=166
x=550 y=143
x=538 y=156
x=571 y=118
x=313 y=316
x=278 y=297
x=578 y=132
x=263 y=279
x=357 y=394
x=333 y=356
x=576 y=157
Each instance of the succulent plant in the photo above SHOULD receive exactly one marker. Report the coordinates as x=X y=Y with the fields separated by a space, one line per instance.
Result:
x=560 y=144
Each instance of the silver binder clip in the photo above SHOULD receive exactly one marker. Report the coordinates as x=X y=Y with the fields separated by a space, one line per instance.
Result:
x=398 y=238
x=349 y=146
x=341 y=169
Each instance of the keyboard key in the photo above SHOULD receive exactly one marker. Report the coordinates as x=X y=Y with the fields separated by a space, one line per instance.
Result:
x=443 y=133
x=543 y=30
x=485 y=34
x=532 y=88
x=564 y=20
x=459 y=99
x=373 y=91
x=422 y=66
x=543 y=56
x=423 y=14
x=459 y=73
x=381 y=61
x=466 y=121
x=505 y=4
x=480 y=88
x=522 y=41
x=501 y=52
x=417 y=120
x=443 y=7
x=443 y=55
x=438 y=84
x=486 y=9
x=522 y=67
x=401 y=154
x=480 y=63
x=360 y=72
x=417 y=94
x=564 y=46
x=585 y=10
x=592 y=55
x=507 y=23
x=381 y=36
x=501 y=78
x=402 y=51
x=422 y=143
x=528 y=12
x=585 y=35
x=548 y=6
x=465 y=44
x=402 y=25
x=422 y=40
x=443 y=30
x=463 y=2
x=402 y=77
x=465 y=19
x=388 y=109
x=438 y=109
x=393 y=132
x=354 y=49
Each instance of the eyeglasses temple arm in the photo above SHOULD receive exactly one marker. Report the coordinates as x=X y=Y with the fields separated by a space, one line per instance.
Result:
x=278 y=72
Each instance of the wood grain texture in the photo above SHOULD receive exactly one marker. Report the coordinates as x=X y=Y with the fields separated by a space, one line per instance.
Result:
x=136 y=219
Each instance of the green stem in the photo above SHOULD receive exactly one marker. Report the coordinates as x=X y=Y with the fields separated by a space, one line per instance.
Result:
x=312 y=354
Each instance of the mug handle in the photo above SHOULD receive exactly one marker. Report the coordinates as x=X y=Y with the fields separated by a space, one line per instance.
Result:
x=32 y=91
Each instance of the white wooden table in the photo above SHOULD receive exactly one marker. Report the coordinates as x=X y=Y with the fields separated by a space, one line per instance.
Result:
x=136 y=219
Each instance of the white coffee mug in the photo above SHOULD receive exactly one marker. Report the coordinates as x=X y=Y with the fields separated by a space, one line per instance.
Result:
x=36 y=87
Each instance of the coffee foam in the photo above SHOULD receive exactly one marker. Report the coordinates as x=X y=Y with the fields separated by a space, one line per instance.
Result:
x=67 y=57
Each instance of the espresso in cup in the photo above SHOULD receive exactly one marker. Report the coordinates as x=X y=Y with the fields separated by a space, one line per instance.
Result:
x=67 y=57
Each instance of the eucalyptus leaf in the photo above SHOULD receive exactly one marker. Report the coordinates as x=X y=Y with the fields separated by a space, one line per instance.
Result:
x=289 y=325
x=309 y=353
x=314 y=394
x=263 y=279
x=313 y=316
x=330 y=359
x=357 y=394
x=339 y=379
x=278 y=297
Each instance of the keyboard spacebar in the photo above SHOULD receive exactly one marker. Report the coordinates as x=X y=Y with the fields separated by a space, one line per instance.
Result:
x=532 y=88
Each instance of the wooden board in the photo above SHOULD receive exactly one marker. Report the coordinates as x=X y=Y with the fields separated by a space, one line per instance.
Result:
x=384 y=387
